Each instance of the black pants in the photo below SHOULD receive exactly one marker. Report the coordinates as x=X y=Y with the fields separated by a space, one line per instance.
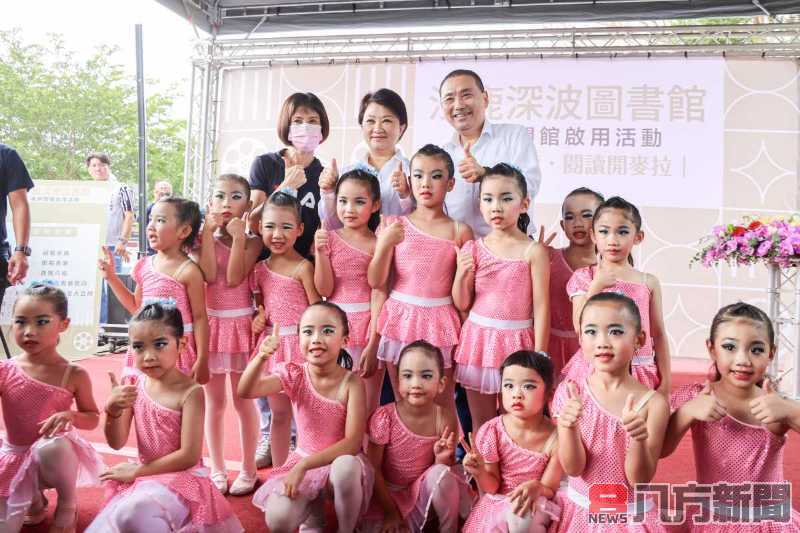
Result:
x=3 y=278
x=4 y=284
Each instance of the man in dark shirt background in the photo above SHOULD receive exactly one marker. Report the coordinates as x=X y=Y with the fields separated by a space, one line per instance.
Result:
x=15 y=182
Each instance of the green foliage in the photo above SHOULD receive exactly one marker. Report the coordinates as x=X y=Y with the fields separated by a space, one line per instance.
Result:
x=55 y=109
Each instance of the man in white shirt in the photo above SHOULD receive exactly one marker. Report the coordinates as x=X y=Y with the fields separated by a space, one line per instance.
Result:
x=477 y=144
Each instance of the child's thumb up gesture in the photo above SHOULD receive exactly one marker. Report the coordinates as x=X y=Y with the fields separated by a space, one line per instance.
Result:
x=634 y=421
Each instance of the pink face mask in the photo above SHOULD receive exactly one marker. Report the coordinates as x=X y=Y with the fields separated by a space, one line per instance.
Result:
x=305 y=137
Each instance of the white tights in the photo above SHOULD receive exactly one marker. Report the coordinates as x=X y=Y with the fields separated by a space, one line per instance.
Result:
x=285 y=515
x=280 y=427
x=58 y=469
x=150 y=508
x=444 y=496
x=215 y=423
x=536 y=521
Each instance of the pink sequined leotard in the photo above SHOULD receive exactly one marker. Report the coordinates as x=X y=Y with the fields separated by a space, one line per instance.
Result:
x=407 y=460
x=734 y=452
x=351 y=291
x=161 y=288
x=27 y=402
x=494 y=329
x=563 y=339
x=158 y=433
x=284 y=299
x=643 y=365
x=420 y=305
x=230 y=315
x=320 y=424
x=606 y=443
x=516 y=464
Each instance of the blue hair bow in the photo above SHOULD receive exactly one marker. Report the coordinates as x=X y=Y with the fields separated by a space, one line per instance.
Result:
x=363 y=167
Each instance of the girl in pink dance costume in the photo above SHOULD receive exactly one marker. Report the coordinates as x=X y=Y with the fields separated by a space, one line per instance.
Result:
x=40 y=448
x=577 y=212
x=412 y=449
x=168 y=489
x=169 y=276
x=503 y=267
x=514 y=456
x=738 y=421
x=616 y=229
x=419 y=250
x=342 y=258
x=329 y=403
x=226 y=256
x=610 y=426
x=284 y=286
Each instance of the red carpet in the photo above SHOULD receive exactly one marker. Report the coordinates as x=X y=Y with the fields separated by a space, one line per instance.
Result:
x=677 y=468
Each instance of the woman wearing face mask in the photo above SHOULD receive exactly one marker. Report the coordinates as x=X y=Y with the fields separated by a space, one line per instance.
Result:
x=383 y=120
x=302 y=126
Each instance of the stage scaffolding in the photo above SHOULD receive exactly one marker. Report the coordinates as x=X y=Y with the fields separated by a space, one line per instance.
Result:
x=767 y=41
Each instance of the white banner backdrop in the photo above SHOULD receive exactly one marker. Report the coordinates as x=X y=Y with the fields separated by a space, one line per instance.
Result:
x=651 y=131
x=69 y=218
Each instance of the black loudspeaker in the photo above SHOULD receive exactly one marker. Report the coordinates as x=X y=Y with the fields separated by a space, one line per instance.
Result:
x=118 y=316
x=114 y=333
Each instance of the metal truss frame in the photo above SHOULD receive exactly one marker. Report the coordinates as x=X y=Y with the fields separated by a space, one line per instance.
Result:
x=781 y=40
x=201 y=127
x=760 y=40
x=784 y=309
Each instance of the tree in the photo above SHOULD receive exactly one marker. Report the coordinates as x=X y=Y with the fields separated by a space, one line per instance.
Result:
x=55 y=109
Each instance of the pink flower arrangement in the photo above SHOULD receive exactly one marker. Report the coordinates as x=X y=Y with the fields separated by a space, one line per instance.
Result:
x=755 y=240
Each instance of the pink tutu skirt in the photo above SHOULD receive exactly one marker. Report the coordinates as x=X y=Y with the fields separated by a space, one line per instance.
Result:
x=229 y=343
x=478 y=378
x=646 y=372
x=186 y=359
x=407 y=323
x=575 y=519
x=19 y=470
x=489 y=514
x=487 y=347
x=314 y=482
x=483 y=348
x=288 y=349
x=209 y=511
x=415 y=501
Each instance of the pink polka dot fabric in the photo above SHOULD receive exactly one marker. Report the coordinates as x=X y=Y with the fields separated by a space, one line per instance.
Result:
x=230 y=316
x=516 y=464
x=606 y=443
x=578 y=367
x=734 y=452
x=158 y=287
x=285 y=299
x=563 y=339
x=158 y=433
x=482 y=348
x=349 y=265
x=26 y=402
x=320 y=424
x=417 y=274
x=408 y=462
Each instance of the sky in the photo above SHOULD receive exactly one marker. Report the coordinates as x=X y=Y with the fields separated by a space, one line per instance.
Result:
x=86 y=24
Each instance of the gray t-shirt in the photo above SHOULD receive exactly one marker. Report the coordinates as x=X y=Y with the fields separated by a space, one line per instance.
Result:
x=120 y=201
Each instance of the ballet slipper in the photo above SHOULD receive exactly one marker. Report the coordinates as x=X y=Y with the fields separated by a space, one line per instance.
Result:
x=220 y=480
x=243 y=484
